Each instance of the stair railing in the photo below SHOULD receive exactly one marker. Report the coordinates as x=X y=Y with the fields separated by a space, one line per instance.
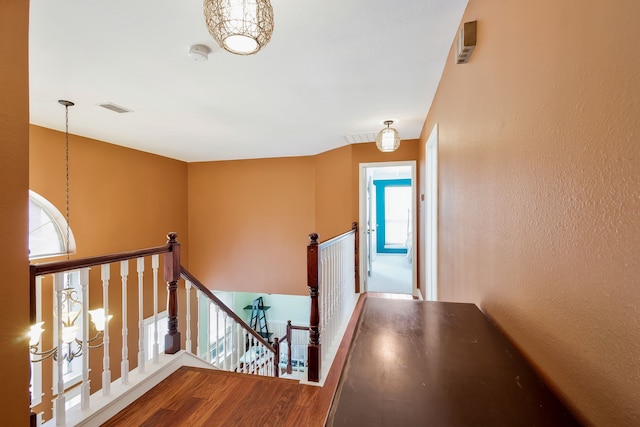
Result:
x=107 y=343
x=288 y=338
x=223 y=338
x=70 y=336
x=332 y=278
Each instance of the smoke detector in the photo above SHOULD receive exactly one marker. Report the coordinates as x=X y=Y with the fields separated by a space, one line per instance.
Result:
x=199 y=52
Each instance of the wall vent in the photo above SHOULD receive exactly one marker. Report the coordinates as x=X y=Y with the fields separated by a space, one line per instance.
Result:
x=359 y=138
x=113 y=107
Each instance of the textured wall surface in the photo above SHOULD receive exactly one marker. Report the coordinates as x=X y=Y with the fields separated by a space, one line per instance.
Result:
x=249 y=221
x=120 y=199
x=14 y=175
x=540 y=191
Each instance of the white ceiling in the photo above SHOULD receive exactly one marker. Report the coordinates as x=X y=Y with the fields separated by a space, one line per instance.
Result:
x=333 y=70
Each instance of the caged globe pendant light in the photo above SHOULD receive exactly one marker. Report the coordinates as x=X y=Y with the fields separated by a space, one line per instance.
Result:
x=388 y=138
x=242 y=27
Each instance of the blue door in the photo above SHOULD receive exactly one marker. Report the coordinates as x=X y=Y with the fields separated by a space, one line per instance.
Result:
x=393 y=215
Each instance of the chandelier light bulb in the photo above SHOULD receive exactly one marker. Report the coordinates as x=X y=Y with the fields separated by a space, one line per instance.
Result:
x=35 y=332
x=69 y=334
x=98 y=318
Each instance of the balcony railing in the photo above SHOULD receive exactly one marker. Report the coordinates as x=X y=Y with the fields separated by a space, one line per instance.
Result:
x=71 y=355
x=332 y=276
x=72 y=352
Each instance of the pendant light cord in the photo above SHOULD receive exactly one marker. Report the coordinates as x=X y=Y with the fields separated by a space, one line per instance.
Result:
x=67 y=104
x=66 y=162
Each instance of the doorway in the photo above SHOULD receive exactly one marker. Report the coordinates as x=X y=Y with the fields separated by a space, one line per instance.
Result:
x=388 y=218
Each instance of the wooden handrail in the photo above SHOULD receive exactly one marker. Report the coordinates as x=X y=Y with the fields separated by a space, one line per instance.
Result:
x=287 y=338
x=74 y=264
x=338 y=237
x=202 y=288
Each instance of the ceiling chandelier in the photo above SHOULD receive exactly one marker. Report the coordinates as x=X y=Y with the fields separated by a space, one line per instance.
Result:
x=242 y=27
x=388 y=139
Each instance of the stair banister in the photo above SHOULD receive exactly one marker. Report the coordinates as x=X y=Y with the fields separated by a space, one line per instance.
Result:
x=313 y=350
x=327 y=303
x=57 y=268
x=230 y=313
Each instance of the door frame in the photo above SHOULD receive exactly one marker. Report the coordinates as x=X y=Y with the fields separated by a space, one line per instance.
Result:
x=381 y=186
x=362 y=186
x=431 y=221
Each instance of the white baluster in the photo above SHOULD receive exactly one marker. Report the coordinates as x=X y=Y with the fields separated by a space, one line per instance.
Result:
x=36 y=368
x=156 y=346
x=124 y=365
x=224 y=342
x=105 y=273
x=208 y=334
x=241 y=347
x=199 y=301
x=217 y=359
x=58 y=284
x=141 y=333
x=187 y=287
x=235 y=345
x=85 y=386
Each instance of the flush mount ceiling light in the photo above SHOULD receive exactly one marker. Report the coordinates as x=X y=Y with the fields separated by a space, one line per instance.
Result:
x=388 y=139
x=242 y=27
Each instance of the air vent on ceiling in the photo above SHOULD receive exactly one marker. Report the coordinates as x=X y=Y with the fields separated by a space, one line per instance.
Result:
x=359 y=138
x=113 y=107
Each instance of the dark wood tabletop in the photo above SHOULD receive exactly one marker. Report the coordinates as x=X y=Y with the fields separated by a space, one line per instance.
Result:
x=418 y=363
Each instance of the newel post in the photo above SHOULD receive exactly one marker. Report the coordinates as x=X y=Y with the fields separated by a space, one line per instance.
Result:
x=313 y=350
x=276 y=359
x=289 y=362
x=356 y=255
x=171 y=276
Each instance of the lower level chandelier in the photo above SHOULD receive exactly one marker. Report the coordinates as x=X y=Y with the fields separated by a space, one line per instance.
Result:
x=242 y=27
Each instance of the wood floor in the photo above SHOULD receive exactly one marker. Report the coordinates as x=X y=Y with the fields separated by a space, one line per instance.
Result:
x=201 y=397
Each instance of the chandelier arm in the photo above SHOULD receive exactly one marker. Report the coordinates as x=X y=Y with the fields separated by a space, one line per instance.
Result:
x=93 y=347
x=97 y=336
x=46 y=354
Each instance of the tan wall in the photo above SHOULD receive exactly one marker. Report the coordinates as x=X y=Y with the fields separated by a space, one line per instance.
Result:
x=14 y=158
x=120 y=200
x=369 y=153
x=249 y=221
x=238 y=211
x=540 y=191
x=333 y=192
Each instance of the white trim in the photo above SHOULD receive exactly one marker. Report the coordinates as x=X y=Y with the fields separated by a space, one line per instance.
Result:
x=431 y=222
x=59 y=222
x=105 y=407
x=362 y=185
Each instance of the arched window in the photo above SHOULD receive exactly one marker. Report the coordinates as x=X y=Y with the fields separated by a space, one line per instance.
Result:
x=47 y=229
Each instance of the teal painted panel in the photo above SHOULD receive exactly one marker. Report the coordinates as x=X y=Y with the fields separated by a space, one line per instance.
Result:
x=381 y=185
